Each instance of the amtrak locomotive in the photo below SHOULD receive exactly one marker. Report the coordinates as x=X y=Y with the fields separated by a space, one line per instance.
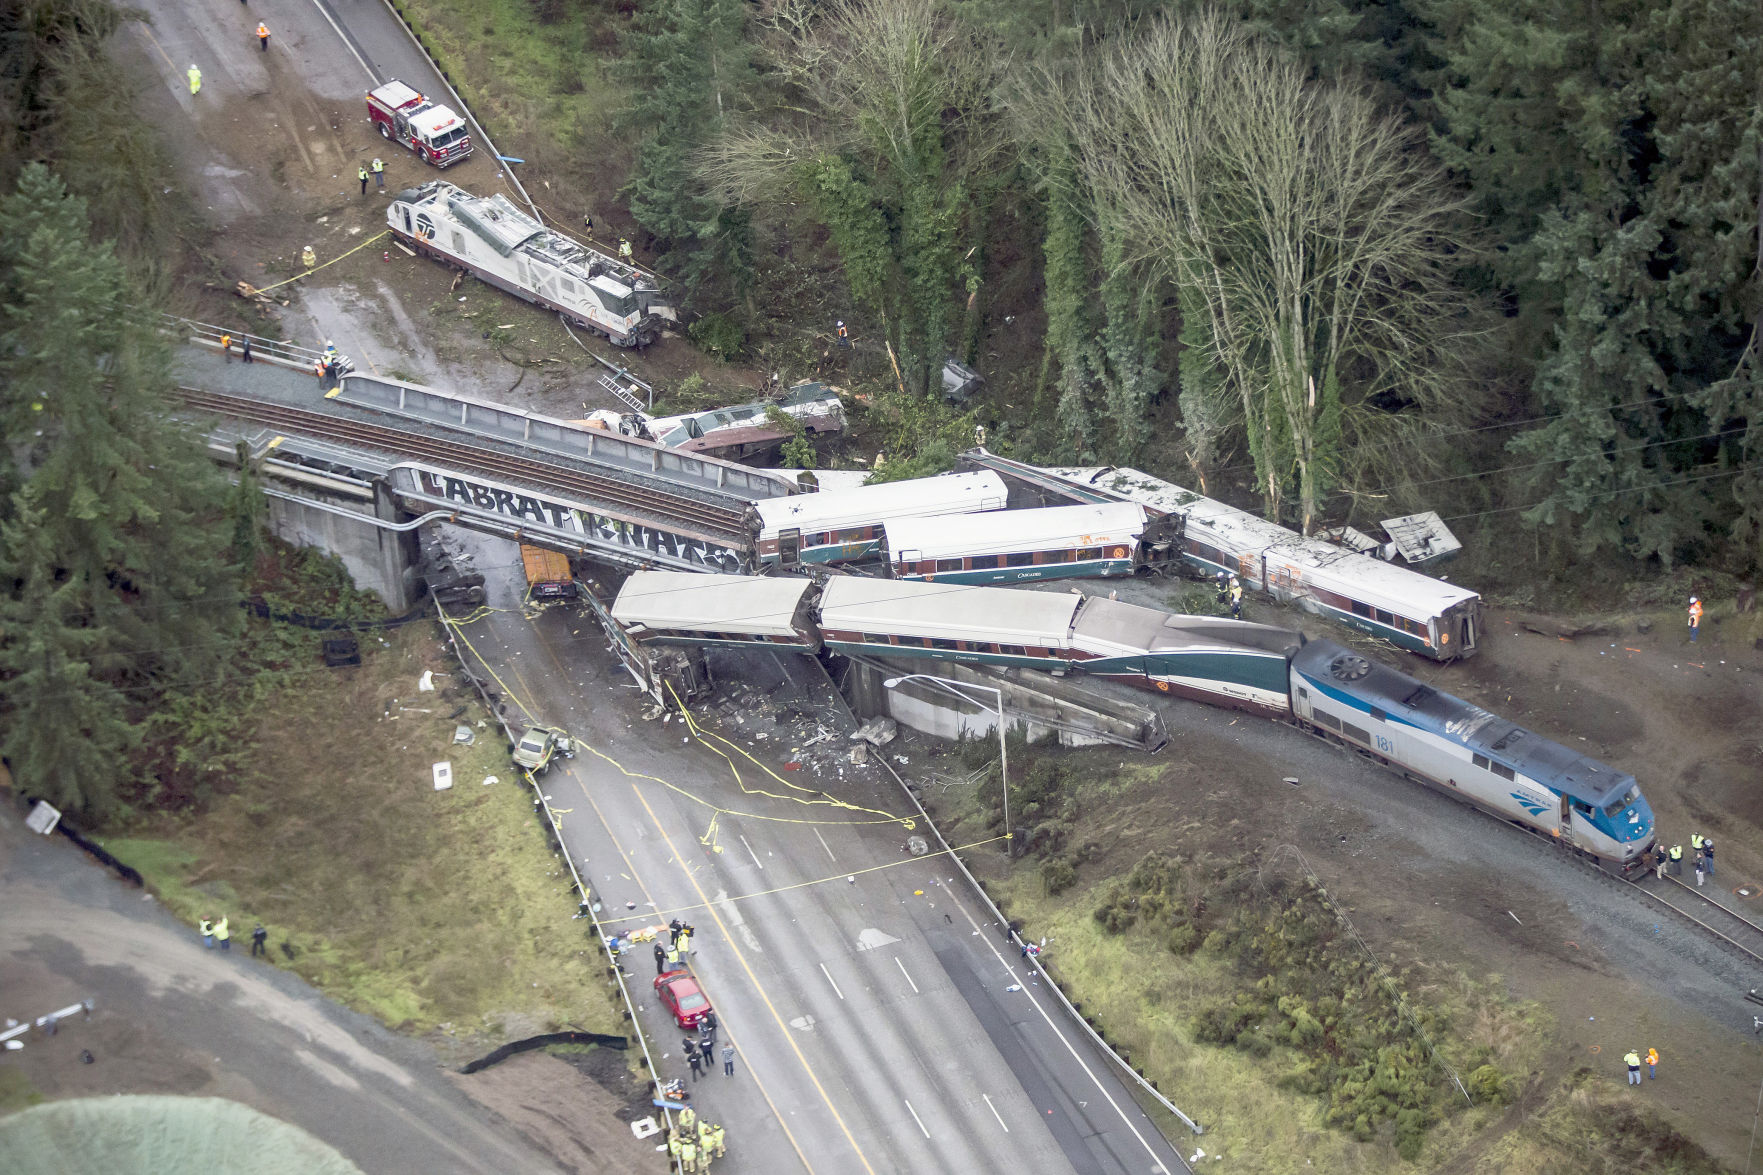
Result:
x=1408 y=726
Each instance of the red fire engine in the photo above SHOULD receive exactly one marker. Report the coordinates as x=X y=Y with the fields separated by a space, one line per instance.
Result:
x=431 y=130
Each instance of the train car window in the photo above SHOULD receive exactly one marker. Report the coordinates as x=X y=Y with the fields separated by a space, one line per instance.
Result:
x=1615 y=807
x=1584 y=809
x=1055 y=556
x=819 y=540
x=1379 y=716
x=1020 y=559
x=1503 y=771
x=1384 y=617
x=916 y=642
x=876 y=638
x=1360 y=608
x=1087 y=553
x=1351 y=731
x=937 y=642
x=855 y=534
x=948 y=565
x=979 y=562
x=1013 y=650
x=1480 y=761
x=1302 y=692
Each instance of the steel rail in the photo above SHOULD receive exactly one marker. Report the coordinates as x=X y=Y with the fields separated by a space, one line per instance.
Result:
x=659 y=507
x=1751 y=929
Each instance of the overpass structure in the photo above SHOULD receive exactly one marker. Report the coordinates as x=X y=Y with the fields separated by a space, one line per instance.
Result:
x=358 y=468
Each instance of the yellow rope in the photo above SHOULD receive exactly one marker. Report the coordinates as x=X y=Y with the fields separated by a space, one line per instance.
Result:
x=332 y=261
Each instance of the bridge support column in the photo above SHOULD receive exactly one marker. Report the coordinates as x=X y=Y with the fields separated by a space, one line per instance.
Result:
x=378 y=560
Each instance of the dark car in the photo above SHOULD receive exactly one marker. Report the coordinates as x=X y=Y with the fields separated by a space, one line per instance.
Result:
x=683 y=997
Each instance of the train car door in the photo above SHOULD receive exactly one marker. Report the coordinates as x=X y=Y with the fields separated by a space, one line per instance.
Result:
x=789 y=546
x=1566 y=819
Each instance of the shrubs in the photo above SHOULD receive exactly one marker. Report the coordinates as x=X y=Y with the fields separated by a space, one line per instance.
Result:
x=1305 y=992
x=1057 y=876
x=720 y=335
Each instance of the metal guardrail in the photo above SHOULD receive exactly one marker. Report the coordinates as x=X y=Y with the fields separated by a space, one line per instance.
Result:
x=584 y=895
x=279 y=351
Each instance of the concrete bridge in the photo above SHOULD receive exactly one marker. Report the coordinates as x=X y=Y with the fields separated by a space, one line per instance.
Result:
x=359 y=467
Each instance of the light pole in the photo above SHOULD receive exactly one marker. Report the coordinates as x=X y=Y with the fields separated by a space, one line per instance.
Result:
x=957 y=688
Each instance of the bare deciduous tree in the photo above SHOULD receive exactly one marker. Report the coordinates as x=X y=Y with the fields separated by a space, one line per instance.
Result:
x=1311 y=230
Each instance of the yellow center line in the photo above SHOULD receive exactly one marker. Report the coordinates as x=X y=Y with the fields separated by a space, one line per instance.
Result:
x=148 y=33
x=752 y=1069
x=740 y=958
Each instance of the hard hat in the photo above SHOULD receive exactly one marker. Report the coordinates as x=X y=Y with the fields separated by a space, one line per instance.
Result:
x=1693 y=600
x=328 y=343
x=841 y=322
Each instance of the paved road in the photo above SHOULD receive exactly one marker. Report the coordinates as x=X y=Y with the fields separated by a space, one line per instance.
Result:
x=866 y=992
x=175 y=1018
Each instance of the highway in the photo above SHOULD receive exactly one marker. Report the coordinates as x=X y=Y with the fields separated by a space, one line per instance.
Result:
x=866 y=992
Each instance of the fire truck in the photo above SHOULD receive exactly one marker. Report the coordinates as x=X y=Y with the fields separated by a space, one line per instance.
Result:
x=431 y=130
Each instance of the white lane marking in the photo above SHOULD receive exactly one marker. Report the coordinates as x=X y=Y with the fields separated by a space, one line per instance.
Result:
x=836 y=991
x=731 y=914
x=1063 y=1039
x=994 y=1110
x=916 y=1118
x=347 y=43
x=754 y=855
x=823 y=843
x=902 y=966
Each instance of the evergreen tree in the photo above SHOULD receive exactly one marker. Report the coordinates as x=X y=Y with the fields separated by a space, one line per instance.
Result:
x=113 y=580
x=1614 y=147
x=688 y=62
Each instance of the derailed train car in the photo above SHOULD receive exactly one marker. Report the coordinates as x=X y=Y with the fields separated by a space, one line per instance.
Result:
x=1420 y=732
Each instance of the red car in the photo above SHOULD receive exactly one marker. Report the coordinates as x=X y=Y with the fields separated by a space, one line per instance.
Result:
x=683 y=997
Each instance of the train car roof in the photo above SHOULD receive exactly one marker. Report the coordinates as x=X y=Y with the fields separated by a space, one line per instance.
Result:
x=759 y=605
x=1500 y=739
x=1397 y=588
x=1133 y=628
x=954 y=611
x=949 y=494
x=1002 y=531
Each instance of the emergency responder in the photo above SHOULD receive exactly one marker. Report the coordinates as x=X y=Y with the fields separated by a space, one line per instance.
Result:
x=1652 y=1064
x=226 y=347
x=308 y=258
x=1676 y=856
x=263 y=35
x=844 y=335
x=688 y=1154
x=195 y=76
x=688 y=1120
x=207 y=928
x=1708 y=855
x=1236 y=598
x=222 y=935
x=704 y=1129
x=1695 y=618
x=716 y=1146
x=379 y=173
x=624 y=249
x=1633 y=1061
x=361 y=174
x=1696 y=847
x=673 y=1145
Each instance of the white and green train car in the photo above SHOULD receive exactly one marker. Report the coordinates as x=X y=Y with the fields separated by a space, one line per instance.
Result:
x=843 y=526
x=1010 y=546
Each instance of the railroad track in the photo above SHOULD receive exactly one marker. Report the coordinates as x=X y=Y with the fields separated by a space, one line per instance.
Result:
x=660 y=507
x=1729 y=926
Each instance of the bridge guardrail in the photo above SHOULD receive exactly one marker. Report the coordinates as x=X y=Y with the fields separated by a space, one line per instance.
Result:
x=281 y=352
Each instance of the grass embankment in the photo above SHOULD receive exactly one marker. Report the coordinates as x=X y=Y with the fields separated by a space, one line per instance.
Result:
x=429 y=910
x=538 y=75
x=1235 y=983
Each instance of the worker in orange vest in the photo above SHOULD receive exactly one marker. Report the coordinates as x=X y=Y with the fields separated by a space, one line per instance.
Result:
x=263 y=35
x=1695 y=618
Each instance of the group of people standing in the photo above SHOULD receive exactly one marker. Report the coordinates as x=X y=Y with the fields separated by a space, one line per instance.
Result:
x=671 y=955
x=221 y=932
x=1670 y=861
x=694 y=1142
x=1633 y=1061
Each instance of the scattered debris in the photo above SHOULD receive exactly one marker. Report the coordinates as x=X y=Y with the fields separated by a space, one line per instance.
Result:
x=443 y=776
x=877 y=732
x=464 y=735
x=426 y=683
